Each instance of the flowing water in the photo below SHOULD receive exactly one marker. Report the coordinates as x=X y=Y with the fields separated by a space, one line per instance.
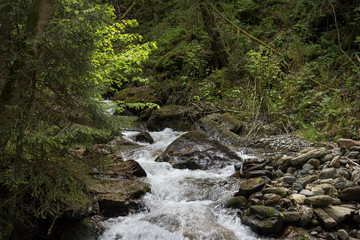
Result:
x=183 y=204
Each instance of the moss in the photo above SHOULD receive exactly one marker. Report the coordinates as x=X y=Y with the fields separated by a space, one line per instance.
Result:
x=236 y=202
x=136 y=95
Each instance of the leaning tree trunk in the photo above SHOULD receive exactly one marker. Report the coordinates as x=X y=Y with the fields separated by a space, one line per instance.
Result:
x=219 y=55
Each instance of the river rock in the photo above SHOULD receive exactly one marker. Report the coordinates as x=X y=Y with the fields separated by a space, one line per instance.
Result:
x=218 y=131
x=227 y=121
x=118 y=197
x=315 y=162
x=339 y=213
x=300 y=160
x=276 y=190
x=319 y=201
x=297 y=198
x=347 y=143
x=350 y=194
x=251 y=186
x=258 y=173
x=196 y=150
x=306 y=215
x=236 y=202
x=335 y=162
x=324 y=218
x=144 y=137
x=282 y=163
x=173 y=116
x=127 y=169
x=341 y=183
x=324 y=189
x=342 y=234
x=273 y=200
x=291 y=217
x=328 y=173
x=263 y=220
x=289 y=179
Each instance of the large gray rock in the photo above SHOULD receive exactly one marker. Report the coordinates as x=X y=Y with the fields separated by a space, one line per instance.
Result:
x=350 y=194
x=300 y=160
x=217 y=131
x=263 y=220
x=339 y=213
x=319 y=201
x=251 y=186
x=196 y=150
x=324 y=218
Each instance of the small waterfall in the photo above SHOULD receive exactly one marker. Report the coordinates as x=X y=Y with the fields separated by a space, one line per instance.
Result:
x=183 y=204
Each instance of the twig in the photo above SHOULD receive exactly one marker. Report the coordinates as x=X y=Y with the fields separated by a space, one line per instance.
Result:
x=351 y=161
x=129 y=9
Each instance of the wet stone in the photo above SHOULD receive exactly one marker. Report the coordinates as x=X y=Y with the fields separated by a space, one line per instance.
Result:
x=251 y=186
x=319 y=201
x=342 y=234
x=314 y=162
x=350 y=194
x=258 y=173
x=289 y=179
x=335 y=162
x=307 y=193
x=325 y=219
x=341 y=183
x=328 y=173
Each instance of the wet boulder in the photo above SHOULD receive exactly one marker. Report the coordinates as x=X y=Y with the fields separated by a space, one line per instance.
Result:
x=263 y=220
x=176 y=117
x=144 y=137
x=127 y=169
x=236 y=202
x=251 y=186
x=197 y=150
x=217 y=131
x=227 y=120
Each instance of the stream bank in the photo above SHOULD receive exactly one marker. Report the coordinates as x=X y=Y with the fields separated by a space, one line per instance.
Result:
x=283 y=188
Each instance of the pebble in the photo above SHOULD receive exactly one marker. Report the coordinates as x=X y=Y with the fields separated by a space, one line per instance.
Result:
x=342 y=234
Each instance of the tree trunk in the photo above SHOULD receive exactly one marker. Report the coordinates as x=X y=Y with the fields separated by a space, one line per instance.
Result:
x=19 y=78
x=219 y=55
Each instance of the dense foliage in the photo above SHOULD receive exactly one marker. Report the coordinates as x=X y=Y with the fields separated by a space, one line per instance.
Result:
x=58 y=57
x=312 y=84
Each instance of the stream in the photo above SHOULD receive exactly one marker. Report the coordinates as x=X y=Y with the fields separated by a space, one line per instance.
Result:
x=183 y=204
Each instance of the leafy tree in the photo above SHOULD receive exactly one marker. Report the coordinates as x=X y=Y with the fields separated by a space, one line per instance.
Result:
x=58 y=57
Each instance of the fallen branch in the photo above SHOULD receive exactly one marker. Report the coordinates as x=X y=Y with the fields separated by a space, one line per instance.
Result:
x=246 y=33
x=352 y=162
x=129 y=9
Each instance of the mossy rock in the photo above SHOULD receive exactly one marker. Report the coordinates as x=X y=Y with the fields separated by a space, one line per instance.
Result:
x=250 y=186
x=173 y=116
x=236 y=202
x=136 y=95
x=263 y=220
x=217 y=131
x=228 y=121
